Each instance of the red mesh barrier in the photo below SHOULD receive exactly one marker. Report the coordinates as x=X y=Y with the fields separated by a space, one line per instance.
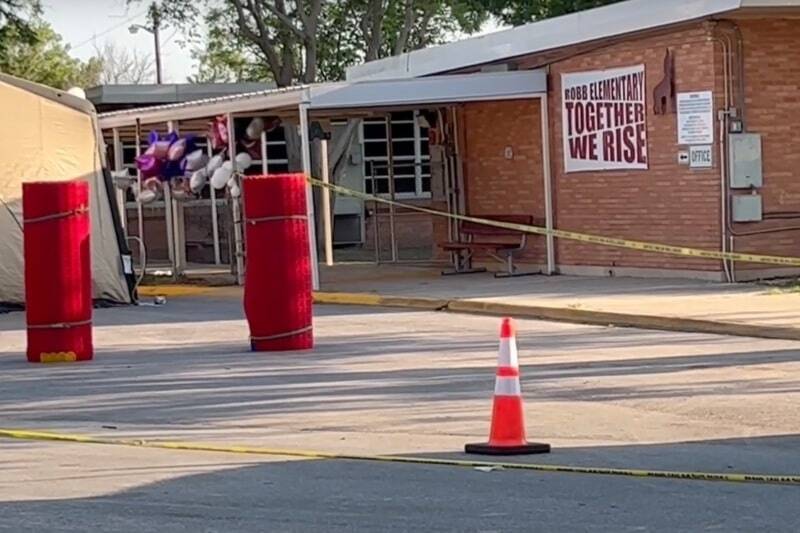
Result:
x=58 y=272
x=277 y=289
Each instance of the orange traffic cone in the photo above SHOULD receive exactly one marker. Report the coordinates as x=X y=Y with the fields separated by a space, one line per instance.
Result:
x=507 y=434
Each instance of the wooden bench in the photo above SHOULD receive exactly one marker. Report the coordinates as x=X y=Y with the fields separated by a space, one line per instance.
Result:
x=500 y=244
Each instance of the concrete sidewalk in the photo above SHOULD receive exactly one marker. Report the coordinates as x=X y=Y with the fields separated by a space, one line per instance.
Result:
x=669 y=304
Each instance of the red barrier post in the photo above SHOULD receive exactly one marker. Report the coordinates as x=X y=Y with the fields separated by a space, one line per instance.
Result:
x=277 y=288
x=58 y=272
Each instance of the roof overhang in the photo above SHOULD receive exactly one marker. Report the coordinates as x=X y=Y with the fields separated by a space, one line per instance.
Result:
x=340 y=97
x=168 y=93
x=610 y=21
x=432 y=90
x=275 y=99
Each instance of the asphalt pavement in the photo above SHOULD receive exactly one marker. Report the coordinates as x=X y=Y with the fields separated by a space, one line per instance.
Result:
x=394 y=382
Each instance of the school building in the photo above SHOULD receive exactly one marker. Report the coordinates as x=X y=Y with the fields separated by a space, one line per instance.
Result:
x=672 y=122
x=666 y=122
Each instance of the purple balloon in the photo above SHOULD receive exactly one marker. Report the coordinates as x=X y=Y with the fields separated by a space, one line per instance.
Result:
x=148 y=165
x=171 y=169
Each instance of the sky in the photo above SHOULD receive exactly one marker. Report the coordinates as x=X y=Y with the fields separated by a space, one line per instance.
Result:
x=86 y=24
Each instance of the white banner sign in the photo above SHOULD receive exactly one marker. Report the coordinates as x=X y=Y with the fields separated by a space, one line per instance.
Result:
x=696 y=118
x=604 y=120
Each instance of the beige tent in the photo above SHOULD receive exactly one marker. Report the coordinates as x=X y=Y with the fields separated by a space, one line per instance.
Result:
x=45 y=135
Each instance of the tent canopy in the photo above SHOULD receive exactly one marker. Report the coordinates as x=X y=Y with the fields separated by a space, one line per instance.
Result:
x=48 y=135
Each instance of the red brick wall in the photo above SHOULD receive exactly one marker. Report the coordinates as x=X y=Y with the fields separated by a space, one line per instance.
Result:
x=668 y=203
x=772 y=77
x=496 y=184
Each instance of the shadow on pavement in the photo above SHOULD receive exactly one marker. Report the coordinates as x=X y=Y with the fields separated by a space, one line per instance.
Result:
x=337 y=495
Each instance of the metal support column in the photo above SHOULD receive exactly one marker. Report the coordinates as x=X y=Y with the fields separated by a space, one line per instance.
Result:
x=178 y=228
x=139 y=208
x=305 y=149
x=169 y=220
x=390 y=172
x=214 y=216
x=264 y=153
x=327 y=219
x=118 y=166
x=548 y=186
x=236 y=208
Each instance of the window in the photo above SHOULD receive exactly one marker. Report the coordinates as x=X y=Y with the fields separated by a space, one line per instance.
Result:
x=277 y=156
x=411 y=166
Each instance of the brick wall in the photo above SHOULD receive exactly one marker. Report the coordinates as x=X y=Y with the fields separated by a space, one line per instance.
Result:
x=772 y=76
x=502 y=160
x=668 y=202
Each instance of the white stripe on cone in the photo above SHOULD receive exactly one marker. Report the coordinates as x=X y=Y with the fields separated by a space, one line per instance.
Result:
x=507 y=386
x=507 y=355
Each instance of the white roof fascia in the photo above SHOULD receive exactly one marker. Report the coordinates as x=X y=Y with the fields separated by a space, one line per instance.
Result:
x=769 y=3
x=585 y=26
x=208 y=107
x=430 y=90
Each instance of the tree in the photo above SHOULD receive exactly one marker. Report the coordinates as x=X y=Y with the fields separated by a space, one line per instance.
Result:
x=121 y=65
x=225 y=58
x=15 y=24
x=516 y=12
x=383 y=28
x=46 y=60
x=304 y=41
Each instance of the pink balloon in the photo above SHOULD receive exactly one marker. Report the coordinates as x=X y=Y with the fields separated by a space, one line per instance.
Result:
x=218 y=132
x=161 y=148
x=176 y=151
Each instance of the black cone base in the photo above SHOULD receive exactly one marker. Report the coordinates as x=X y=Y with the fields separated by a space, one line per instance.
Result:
x=484 y=448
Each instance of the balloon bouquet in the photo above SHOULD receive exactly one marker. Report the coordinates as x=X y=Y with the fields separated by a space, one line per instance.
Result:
x=176 y=162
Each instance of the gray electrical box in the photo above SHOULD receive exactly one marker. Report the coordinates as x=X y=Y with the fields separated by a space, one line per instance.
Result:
x=745 y=160
x=746 y=208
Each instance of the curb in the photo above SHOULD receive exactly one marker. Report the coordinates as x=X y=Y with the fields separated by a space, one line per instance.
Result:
x=562 y=314
x=377 y=300
x=174 y=290
x=536 y=312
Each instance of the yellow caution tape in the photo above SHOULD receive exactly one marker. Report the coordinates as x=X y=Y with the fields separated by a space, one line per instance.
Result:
x=310 y=454
x=58 y=357
x=575 y=236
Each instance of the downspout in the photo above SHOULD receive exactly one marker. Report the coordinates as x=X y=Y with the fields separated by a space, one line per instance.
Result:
x=723 y=183
x=739 y=111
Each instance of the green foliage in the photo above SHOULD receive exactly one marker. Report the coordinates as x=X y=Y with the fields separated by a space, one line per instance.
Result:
x=344 y=33
x=46 y=60
x=224 y=54
x=516 y=12
x=225 y=57
x=15 y=24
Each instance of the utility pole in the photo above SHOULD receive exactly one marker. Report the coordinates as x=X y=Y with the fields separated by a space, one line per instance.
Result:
x=155 y=19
